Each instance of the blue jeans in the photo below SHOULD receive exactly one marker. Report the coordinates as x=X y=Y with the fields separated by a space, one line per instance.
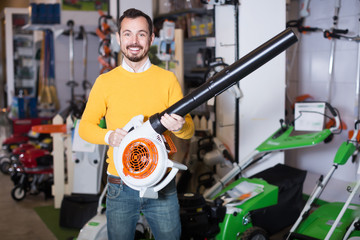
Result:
x=123 y=207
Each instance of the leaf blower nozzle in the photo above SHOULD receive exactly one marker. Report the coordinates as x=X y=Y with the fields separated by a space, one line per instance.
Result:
x=227 y=77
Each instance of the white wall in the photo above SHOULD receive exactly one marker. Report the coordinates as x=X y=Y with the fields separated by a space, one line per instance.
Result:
x=263 y=100
x=145 y=6
x=89 y=19
x=262 y=105
x=309 y=75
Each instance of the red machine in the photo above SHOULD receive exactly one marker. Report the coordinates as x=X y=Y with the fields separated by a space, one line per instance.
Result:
x=14 y=141
x=34 y=171
x=33 y=174
x=8 y=161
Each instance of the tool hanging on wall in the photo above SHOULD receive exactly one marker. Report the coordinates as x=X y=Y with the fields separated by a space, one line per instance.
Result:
x=72 y=83
x=166 y=45
x=47 y=68
x=52 y=84
x=75 y=107
x=86 y=85
x=304 y=8
x=108 y=47
x=357 y=96
x=48 y=101
x=41 y=90
x=333 y=48
x=77 y=101
x=340 y=35
x=219 y=2
x=299 y=25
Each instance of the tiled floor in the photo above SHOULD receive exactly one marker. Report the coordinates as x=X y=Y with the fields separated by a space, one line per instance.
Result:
x=18 y=220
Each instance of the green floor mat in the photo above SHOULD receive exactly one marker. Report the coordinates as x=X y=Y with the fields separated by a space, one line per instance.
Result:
x=51 y=216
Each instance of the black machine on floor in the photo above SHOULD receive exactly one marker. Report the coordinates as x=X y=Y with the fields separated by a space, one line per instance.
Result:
x=201 y=218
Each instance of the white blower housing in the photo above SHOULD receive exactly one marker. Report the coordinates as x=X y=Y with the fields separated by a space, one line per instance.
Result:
x=142 y=160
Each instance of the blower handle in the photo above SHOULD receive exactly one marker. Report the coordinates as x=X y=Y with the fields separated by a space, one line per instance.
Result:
x=227 y=77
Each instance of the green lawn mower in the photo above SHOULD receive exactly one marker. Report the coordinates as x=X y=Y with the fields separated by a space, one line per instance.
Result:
x=334 y=220
x=253 y=214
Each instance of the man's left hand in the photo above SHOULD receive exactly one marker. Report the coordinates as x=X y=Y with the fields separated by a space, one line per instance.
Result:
x=172 y=122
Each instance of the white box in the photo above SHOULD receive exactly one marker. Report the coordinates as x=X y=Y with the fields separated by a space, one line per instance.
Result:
x=309 y=116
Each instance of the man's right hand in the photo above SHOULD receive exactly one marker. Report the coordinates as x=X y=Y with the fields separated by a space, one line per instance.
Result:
x=116 y=137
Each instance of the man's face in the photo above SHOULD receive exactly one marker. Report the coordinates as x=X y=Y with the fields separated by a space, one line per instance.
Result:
x=135 y=39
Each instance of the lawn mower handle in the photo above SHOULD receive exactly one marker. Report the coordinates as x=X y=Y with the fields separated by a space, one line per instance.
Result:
x=227 y=77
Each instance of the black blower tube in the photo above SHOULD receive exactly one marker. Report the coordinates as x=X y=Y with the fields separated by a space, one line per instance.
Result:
x=227 y=77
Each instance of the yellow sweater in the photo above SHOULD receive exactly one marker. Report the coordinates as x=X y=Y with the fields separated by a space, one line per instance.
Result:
x=120 y=95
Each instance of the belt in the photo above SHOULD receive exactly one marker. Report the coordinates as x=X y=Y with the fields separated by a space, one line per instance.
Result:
x=115 y=180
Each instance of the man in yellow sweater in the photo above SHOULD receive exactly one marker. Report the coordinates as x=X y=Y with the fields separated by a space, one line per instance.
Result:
x=135 y=88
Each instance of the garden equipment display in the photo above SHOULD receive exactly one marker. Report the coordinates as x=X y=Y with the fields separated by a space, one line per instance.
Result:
x=8 y=161
x=276 y=207
x=14 y=141
x=279 y=141
x=331 y=220
x=340 y=34
x=76 y=104
x=211 y=153
x=18 y=144
x=108 y=48
x=332 y=49
x=141 y=159
x=51 y=75
x=260 y=214
x=33 y=174
x=200 y=218
x=86 y=85
x=166 y=45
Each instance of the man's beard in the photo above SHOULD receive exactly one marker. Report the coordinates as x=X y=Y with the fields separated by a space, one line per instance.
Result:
x=136 y=58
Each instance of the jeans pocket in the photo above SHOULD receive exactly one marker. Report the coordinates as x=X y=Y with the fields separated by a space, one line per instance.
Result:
x=169 y=189
x=114 y=190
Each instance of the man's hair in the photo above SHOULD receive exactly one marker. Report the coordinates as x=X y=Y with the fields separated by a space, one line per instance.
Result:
x=135 y=13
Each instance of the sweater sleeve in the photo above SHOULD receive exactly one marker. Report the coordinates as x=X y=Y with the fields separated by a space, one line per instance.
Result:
x=187 y=131
x=95 y=110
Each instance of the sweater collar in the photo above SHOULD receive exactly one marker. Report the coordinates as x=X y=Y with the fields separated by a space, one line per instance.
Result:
x=145 y=67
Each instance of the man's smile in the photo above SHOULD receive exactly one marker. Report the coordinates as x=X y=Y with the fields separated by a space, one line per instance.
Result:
x=134 y=49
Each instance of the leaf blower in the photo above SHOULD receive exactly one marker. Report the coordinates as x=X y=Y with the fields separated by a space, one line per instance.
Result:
x=142 y=161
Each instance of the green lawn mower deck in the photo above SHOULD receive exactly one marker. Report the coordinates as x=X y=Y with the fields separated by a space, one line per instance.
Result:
x=237 y=220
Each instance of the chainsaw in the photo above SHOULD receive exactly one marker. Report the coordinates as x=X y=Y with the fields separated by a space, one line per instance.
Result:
x=142 y=159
